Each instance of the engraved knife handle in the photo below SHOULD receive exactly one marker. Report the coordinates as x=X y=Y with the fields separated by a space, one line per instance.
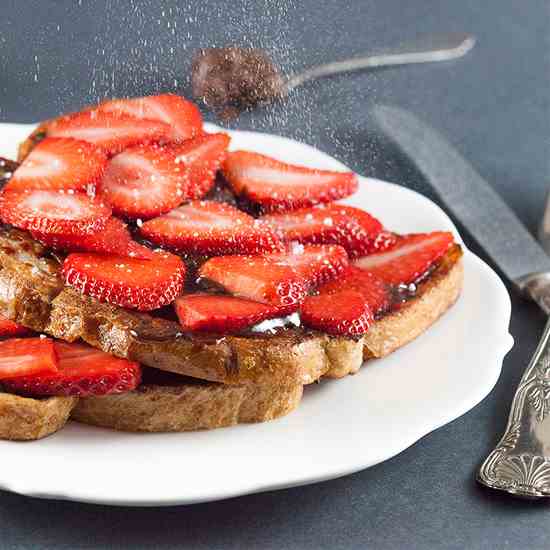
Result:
x=520 y=463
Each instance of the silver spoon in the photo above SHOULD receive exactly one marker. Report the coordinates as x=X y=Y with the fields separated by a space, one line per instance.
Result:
x=232 y=79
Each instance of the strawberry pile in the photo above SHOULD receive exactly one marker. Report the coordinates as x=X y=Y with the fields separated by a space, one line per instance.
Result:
x=108 y=184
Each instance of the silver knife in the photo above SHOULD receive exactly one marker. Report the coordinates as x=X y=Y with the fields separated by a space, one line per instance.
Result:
x=520 y=464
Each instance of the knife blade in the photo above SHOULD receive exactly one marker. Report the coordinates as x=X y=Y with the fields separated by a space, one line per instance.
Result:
x=466 y=194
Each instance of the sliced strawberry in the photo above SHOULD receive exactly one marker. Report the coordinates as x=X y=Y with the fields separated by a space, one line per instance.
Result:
x=276 y=186
x=210 y=228
x=60 y=164
x=202 y=156
x=113 y=132
x=257 y=278
x=126 y=282
x=82 y=371
x=183 y=117
x=9 y=329
x=219 y=313
x=357 y=231
x=344 y=313
x=144 y=181
x=317 y=263
x=114 y=239
x=53 y=212
x=375 y=291
x=410 y=259
x=139 y=251
x=26 y=356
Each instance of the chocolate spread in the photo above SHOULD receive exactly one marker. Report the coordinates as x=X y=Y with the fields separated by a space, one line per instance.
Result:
x=233 y=79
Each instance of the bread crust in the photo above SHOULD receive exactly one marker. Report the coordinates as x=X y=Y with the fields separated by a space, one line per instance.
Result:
x=25 y=419
x=406 y=324
x=188 y=407
x=287 y=357
x=251 y=378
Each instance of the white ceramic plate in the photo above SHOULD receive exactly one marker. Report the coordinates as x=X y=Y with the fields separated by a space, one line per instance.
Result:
x=340 y=427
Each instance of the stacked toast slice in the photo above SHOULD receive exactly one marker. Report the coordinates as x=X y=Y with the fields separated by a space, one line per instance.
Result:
x=284 y=288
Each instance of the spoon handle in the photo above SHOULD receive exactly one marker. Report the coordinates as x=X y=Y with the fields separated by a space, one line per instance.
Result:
x=439 y=48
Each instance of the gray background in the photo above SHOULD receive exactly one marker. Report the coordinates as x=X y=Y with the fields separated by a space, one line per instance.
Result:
x=493 y=105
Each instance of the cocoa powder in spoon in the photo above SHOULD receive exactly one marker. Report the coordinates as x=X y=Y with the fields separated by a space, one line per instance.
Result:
x=230 y=80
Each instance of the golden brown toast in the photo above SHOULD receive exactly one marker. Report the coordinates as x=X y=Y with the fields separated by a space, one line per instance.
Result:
x=32 y=293
x=188 y=405
x=244 y=378
x=263 y=374
x=23 y=418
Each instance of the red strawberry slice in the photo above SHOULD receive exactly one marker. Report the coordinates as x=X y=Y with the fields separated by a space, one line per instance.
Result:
x=202 y=157
x=257 y=278
x=218 y=313
x=82 y=371
x=277 y=186
x=113 y=239
x=9 y=329
x=345 y=313
x=144 y=181
x=410 y=259
x=318 y=264
x=60 y=164
x=126 y=282
x=26 y=356
x=375 y=291
x=138 y=251
x=53 y=212
x=210 y=228
x=113 y=132
x=357 y=231
x=183 y=117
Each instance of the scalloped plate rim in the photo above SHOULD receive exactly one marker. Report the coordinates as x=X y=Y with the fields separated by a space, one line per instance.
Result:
x=474 y=266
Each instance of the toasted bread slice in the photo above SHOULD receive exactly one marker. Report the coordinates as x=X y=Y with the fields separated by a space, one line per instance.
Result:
x=23 y=419
x=288 y=356
x=189 y=405
x=252 y=378
x=32 y=294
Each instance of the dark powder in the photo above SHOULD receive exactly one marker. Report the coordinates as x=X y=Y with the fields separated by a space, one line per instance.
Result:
x=231 y=79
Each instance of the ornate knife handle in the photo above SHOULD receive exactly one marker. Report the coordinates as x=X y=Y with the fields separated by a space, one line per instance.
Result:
x=520 y=464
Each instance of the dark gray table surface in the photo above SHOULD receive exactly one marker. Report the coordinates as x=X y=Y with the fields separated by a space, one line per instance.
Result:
x=493 y=105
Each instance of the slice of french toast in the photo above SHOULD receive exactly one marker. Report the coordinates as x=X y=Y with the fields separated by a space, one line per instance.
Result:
x=253 y=378
x=25 y=419
x=248 y=377
x=32 y=294
x=173 y=403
